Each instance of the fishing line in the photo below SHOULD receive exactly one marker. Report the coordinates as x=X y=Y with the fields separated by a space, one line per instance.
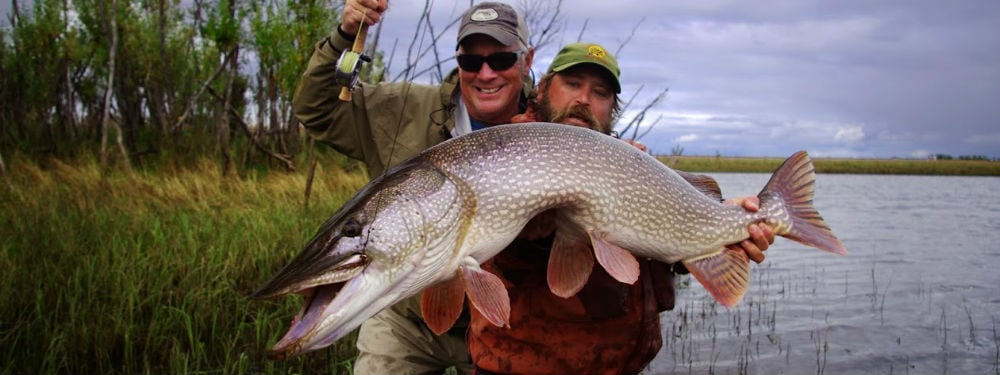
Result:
x=392 y=147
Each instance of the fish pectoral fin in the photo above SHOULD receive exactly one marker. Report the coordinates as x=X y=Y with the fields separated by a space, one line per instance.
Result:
x=570 y=264
x=619 y=263
x=725 y=274
x=442 y=303
x=487 y=294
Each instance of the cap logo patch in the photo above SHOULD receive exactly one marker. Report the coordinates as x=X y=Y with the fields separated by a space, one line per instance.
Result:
x=482 y=15
x=597 y=51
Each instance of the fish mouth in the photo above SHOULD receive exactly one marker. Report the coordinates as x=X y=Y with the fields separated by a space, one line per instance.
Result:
x=303 y=325
x=305 y=329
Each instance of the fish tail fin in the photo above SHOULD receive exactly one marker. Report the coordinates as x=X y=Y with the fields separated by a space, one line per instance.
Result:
x=788 y=201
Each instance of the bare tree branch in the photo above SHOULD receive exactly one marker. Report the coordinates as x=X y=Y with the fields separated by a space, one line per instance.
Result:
x=3 y=173
x=631 y=34
x=312 y=171
x=106 y=111
x=579 y=37
x=222 y=129
x=638 y=119
x=628 y=103
x=648 y=128
x=415 y=42
x=437 y=56
x=252 y=135
x=15 y=15
x=544 y=19
x=204 y=86
x=425 y=30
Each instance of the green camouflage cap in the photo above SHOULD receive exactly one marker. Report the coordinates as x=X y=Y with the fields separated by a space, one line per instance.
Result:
x=587 y=53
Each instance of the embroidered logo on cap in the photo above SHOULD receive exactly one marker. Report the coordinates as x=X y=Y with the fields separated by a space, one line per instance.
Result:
x=484 y=15
x=597 y=51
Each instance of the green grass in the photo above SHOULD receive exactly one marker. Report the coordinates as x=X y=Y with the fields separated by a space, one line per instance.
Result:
x=847 y=166
x=151 y=274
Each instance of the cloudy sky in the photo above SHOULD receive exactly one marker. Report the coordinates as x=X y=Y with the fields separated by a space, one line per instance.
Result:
x=845 y=78
x=837 y=78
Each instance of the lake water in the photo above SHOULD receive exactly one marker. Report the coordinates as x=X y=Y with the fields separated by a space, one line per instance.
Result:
x=919 y=292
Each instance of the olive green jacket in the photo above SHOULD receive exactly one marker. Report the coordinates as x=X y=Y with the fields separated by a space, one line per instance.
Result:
x=384 y=123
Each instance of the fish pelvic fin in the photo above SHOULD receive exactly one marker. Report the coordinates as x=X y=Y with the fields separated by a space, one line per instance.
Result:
x=487 y=294
x=619 y=263
x=442 y=303
x=725 y=274
x=790 y=190
x=570 y=265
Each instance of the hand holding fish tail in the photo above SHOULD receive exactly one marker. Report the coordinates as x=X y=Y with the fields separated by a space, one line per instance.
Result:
x=761 y=234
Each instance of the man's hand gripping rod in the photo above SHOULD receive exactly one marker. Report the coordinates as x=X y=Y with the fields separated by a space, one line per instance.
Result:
x=349 y=64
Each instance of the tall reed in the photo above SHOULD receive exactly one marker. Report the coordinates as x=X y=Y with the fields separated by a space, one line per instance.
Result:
x=108 y=273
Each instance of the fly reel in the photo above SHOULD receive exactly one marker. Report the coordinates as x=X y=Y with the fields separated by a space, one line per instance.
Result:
x=349 y=65
x=349 y=69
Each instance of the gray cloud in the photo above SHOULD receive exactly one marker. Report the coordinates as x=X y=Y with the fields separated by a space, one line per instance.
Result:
x=878 y=79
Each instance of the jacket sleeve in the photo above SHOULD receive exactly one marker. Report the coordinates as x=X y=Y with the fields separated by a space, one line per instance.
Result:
x=383 y=124
x=317 y=106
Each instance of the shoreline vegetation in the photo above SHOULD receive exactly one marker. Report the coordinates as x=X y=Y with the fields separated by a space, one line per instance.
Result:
x=837 y=165
x=112 y=272
x=107 y=272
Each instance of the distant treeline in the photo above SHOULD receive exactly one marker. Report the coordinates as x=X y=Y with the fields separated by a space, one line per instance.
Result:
x=148 y=78
x=962 y=157
x=964 y=167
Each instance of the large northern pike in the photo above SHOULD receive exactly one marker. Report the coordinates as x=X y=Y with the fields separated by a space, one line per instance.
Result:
x=427 y=224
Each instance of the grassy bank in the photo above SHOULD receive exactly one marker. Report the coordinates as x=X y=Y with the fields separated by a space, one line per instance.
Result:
x=848 y=166
x=150 y=274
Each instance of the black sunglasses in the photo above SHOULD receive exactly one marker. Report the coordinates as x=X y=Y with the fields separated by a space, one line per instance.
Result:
x=498 y=61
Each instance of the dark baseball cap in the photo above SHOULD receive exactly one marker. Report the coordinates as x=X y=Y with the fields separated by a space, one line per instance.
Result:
x=587 y=53
x=496 y=20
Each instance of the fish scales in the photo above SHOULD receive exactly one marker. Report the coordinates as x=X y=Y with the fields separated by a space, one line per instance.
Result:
x=572 y=169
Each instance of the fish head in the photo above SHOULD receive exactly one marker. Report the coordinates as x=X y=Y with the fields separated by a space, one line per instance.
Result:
x=393 y=239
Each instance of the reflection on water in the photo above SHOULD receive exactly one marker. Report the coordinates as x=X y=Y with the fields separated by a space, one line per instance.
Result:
x=916 y=295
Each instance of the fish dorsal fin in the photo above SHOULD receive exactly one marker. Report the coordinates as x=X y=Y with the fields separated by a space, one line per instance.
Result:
x=487 y=294
x=725 y=274
x=705 y=184
x=442 y=303
x=619 y=262
x=570 y=264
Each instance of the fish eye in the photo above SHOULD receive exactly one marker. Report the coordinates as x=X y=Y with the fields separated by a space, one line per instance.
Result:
x=352 y=228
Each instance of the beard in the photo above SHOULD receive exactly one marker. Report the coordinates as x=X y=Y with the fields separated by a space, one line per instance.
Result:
x=549 y=114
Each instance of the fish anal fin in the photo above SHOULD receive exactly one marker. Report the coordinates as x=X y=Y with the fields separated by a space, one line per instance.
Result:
x=725 y=275
x=619 y=263
x=442 y=303
x=570 y=265
x=487 y=295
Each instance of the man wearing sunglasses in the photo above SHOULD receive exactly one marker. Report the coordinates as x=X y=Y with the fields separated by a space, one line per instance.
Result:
x=389 y=122
x=386 y=123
